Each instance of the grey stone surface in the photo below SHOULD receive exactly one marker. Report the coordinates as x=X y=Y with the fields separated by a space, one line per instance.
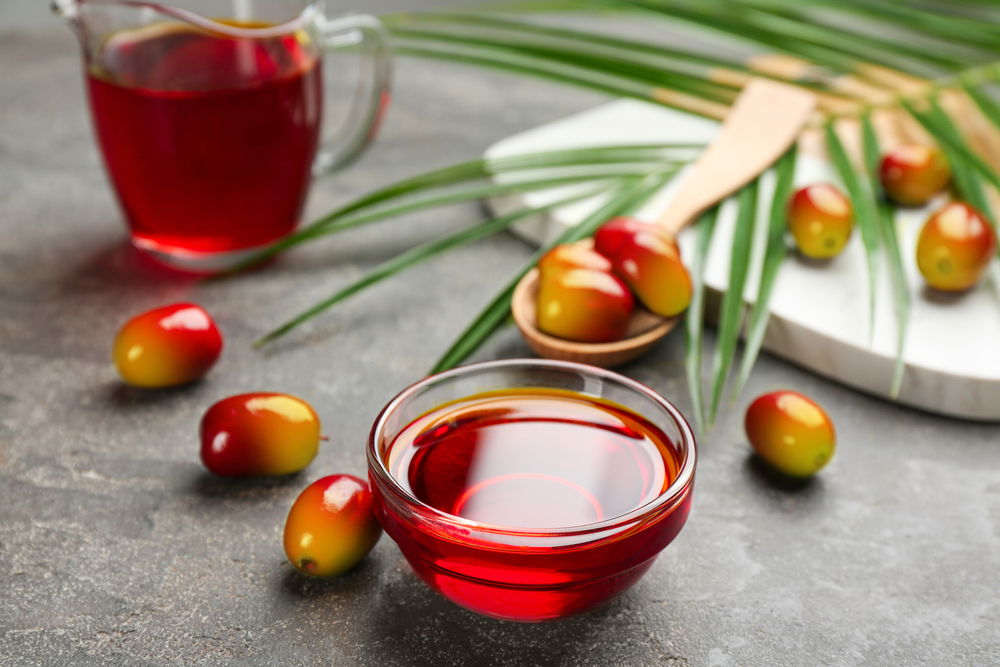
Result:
x=116 y=547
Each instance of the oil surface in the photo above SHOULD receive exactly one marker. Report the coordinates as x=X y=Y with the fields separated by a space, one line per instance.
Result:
x=533 y=458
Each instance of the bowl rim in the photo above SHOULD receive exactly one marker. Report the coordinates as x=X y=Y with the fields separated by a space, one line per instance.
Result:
x=670 y=496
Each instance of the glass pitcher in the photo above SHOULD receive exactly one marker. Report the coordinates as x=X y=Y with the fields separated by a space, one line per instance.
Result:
x=209 y=120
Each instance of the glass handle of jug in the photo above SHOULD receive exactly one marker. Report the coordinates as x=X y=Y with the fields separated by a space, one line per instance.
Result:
x=369 y=36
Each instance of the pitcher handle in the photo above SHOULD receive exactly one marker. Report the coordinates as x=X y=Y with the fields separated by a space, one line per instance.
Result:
x=372 y=98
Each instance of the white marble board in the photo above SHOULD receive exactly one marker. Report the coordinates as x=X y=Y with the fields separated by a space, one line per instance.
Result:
x=819 y=312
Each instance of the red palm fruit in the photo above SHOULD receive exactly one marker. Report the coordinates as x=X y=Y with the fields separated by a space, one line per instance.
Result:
x=331 y=526
x=820 y=218
x=572 y=256
x=584 y=305
x=912 y=174
x=167 y=346
x=650 y=263
x=791 y=432
x=251 y=435
x=609 y=239
x=955 y=246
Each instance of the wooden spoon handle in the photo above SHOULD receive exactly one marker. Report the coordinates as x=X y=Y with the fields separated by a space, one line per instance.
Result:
x=763 y=122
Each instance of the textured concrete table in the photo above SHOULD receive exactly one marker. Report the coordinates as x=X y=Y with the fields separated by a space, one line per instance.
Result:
x=115 y=545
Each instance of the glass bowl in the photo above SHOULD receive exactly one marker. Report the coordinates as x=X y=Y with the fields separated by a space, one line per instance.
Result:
x=515 y=573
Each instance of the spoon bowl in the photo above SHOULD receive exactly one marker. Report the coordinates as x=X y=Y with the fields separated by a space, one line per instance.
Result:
x=644 y=331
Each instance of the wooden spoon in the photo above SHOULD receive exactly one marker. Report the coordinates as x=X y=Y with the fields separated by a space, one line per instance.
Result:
x=764 y=121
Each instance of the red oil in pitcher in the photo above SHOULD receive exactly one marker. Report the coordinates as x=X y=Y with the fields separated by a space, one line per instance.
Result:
x=208 y=139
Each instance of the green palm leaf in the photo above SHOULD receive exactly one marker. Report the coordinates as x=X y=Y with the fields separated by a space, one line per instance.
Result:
x=592 y=57
x=890 y=239
x=918 y=42
x=731 y=316
x=694 y=321
x=865 y=211
x=945 y=130
x=561 y=72
x=986 y=104
x=892 y=47
x=921 y=42
x=943 y=53
x=419 y=254
x=350 y=215
x=545 y=51
x=627 y=48
x=941 y=22
x=774 y=255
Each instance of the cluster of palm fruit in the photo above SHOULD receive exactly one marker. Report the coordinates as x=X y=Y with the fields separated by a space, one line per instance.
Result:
x=955 y=245
x=588 y=290
x=331 y=526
